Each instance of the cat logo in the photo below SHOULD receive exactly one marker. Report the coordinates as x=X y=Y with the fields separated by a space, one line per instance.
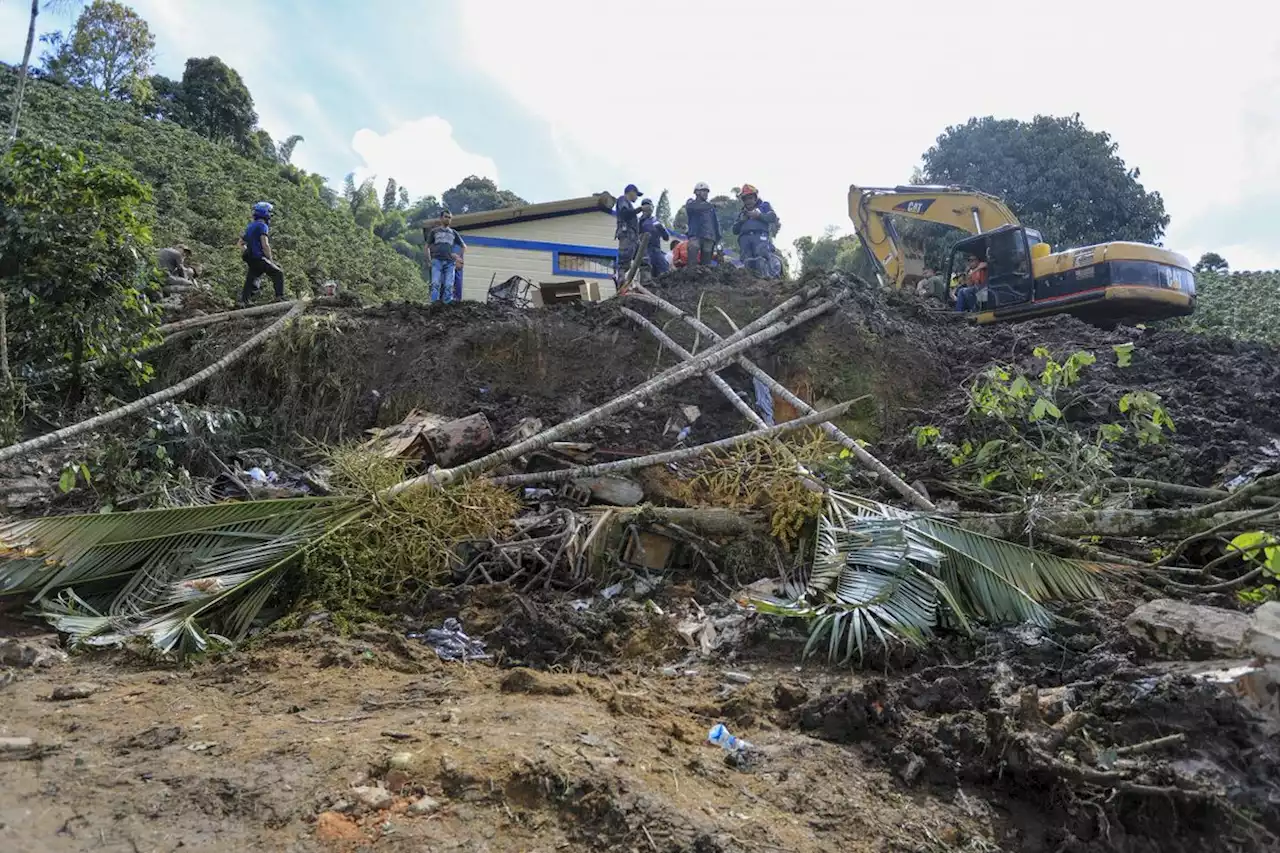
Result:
x=915 y=206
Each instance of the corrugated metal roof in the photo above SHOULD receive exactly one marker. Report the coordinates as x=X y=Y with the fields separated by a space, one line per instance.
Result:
x=602 y=201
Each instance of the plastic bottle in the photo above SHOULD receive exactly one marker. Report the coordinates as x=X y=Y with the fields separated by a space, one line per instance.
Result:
x=720 y=736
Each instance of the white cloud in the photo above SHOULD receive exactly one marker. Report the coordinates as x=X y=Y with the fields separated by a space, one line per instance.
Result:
x=421 y=155
x=829 y=93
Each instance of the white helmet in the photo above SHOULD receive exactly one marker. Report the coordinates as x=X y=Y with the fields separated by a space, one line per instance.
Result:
x=702 y=185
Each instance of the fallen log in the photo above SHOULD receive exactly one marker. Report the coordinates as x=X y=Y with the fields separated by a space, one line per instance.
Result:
x=1124 y=523
x=459 y=441
x=720 y=354
x=158 y=397
x=565 y=474
x=226 y=316
x=861 y=454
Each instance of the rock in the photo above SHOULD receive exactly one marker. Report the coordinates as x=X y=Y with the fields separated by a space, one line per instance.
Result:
x=535 y=684
x=395 y=780
x=1263 y=634
x=737 y=677
x=1176 y=628
x=425 y=805
x=789 y=694
x=400 y=761
x=73 y=691
x=31 y=652
x=907 y=764
x=372 y=797
x=16 y=744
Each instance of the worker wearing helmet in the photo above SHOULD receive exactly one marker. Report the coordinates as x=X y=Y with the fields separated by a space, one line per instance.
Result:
x=257 y=256
x=704 y=227
x=752 y=226
x=627 y=232
x=654 y=260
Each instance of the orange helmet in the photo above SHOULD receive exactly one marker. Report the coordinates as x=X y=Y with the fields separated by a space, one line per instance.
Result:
x=747 y=189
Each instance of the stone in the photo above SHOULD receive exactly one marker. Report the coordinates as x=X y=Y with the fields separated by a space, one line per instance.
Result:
x=789 y=694
x=400 y=761
x=1263 y=635
x=737 y=677
x=31 y=652
x=68 y=692
x=395 y=780
x=424 y=805
x=16 y=744
x=373 y=797
x=1176 y=628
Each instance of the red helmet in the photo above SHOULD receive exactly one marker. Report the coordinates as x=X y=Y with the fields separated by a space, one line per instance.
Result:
x=747 y=189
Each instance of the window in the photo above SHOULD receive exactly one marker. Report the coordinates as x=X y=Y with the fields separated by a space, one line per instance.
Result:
x=569 y=263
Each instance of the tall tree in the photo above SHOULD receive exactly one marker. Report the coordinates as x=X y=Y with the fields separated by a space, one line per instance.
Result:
x=216 y=102
x=664 y=208
x=111 y=49
x=165 y=102
x=285 y=151
x=390 y=196
x=1211 y=262
x=474 y=194
x=1056 y=174
x=16 y=108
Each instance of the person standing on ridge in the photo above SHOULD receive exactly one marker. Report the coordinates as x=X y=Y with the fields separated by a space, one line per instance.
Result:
x=752 y=227
x=257 y=256
x=627 y=231
x=654 y=258
x=441 y=240
x=704 y=227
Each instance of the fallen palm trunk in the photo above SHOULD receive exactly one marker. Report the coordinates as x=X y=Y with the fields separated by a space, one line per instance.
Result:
x=224 y=317
x=684 y=355
x=1123 y=523
x=717 y=355
x=881 y=470
x=566 y=474
x=460 y=440
x=158 y=397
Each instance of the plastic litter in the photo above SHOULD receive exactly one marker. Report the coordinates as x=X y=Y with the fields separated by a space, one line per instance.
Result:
x=450 y=643
x=719 y=735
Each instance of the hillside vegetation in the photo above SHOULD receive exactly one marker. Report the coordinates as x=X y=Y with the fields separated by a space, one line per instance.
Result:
x=1241 y=305
x=202 y=193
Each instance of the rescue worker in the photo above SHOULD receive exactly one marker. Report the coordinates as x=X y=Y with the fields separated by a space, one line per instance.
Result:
x=175 y=263
x=679 y=254
x=441 y=242
x=703 y=227
x=628 y=229
x=975 y=277
x=654 y=260
x=752 y=227
x=257 y=256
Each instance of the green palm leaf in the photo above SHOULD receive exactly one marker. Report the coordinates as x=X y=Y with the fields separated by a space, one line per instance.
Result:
x=879 y=571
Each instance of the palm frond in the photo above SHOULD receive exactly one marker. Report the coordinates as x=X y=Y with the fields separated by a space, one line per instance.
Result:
x=188 y=569
x=879 y=571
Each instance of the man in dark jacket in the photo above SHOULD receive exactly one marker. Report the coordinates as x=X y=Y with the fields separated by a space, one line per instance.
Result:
x=752 y=227
x=655 y=260
x=628 y=229
x=704 y=227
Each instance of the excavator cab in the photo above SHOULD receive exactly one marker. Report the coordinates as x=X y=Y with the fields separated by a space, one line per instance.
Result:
x=1007 y=253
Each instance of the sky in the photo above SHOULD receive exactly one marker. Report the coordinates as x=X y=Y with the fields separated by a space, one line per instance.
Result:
x=561 y=98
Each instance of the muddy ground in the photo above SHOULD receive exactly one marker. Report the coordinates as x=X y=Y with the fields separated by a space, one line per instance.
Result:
x=586 y=732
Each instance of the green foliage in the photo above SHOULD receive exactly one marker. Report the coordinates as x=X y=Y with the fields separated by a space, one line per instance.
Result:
x=663 y=211
x=879 y=572
x=109 y=50
x=833 y=252
x=75 y=259
x=1056 y=175
x=1211 y=262
x=204 y=193
x=1259 y=547
x=475 y=194
x=1240 y=305
x=1022 y=437
x=215 y=103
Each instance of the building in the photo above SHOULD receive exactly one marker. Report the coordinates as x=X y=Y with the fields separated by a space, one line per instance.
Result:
x=558 y=241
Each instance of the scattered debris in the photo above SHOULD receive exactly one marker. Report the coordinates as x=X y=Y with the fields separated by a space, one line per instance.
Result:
x=74 y=691
x=372 y=797
x=451 y=643
x=424 y=805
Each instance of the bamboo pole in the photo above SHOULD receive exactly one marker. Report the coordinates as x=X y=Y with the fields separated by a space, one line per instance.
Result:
x=684 y=355
x=225 y=316
x=564 y=474
x=635 y=264
x=869 y=461
x=158 y=397
x=717 y=355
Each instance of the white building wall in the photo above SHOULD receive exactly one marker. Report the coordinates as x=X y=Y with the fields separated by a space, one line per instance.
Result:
x=486 y=265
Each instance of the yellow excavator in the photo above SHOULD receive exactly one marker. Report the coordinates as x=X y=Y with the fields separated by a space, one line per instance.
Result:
x=1107 y=284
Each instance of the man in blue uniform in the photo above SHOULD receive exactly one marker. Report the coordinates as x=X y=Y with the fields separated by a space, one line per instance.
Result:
x=257 y=256
x=655 y=260
x=627 y=231
x=704 y=227
x=752 y=227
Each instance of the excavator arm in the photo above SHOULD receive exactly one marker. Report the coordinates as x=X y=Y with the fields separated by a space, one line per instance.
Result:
x=872 y=210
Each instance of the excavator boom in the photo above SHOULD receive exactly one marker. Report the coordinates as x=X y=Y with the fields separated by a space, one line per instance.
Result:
x=872 y=209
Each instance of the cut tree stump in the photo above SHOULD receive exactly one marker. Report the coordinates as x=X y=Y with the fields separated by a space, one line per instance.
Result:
x=460 y=441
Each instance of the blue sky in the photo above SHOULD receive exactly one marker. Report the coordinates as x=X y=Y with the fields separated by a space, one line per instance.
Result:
x=564 y=97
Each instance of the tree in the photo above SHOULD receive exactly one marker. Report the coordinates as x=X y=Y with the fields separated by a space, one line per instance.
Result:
x=664 y=208
x=1055 y=173
x=165 y=102
x=110 y=50
x=216 y=102
x=285 y=151
x=474 y=194
x=74 y=259
x=390 y=196
x=424 y=209
x=16 y=109
x=1211 y=262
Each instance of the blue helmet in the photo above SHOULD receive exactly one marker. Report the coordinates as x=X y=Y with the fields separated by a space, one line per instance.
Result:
x=262 y=210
